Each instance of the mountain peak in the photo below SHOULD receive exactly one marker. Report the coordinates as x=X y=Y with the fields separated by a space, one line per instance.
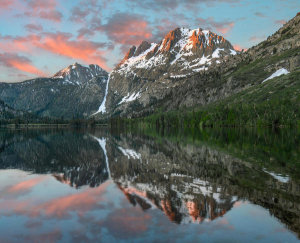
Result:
x=145 y=45
x=79 y=74
x=181 y=47
x=128 y=55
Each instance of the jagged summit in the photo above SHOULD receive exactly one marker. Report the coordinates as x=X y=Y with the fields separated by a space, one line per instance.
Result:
x=79 y=74
x=189 y=50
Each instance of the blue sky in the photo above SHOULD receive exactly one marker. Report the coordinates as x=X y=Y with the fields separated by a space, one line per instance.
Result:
x=40 y=37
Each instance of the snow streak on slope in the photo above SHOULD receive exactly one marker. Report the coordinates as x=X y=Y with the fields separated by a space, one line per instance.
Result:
x=102 y=107
x=130 y=153
x=279 y=177
x=278 y=73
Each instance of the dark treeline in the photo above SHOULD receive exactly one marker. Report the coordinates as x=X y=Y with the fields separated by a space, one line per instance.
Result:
x=44 y=121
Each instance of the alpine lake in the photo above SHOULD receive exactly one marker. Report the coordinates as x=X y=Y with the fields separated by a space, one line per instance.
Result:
x=104 y=185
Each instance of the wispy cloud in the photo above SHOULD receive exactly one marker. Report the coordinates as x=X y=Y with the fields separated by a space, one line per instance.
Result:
x=222 y=27
x=59 y=43
x=260 y=14
x=173 y=4
x=44 y=9
x=280 y=22
x=18 y=62
x=33 y=27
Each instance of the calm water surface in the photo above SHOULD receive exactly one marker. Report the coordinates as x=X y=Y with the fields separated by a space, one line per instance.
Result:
x=96 y=185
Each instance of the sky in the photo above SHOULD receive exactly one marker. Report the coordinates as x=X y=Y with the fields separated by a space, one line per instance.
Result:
x=40 y=37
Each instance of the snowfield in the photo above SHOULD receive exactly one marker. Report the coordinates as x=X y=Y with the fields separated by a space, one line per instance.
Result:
x=278 y=73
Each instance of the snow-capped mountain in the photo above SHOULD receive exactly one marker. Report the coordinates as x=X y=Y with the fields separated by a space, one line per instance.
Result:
x=188 y=50
x=75 y=91
x=148 y=72
x=79 y=74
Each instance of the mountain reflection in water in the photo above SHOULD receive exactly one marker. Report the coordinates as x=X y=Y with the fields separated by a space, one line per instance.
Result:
x=65 y=185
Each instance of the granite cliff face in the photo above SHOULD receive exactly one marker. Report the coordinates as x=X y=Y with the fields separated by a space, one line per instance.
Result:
x=72 y=92
x=195 y=67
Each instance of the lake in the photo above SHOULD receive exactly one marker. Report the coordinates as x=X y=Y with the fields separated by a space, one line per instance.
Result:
x=214 y=185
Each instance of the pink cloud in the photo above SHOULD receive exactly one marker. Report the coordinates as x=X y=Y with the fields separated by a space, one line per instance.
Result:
x=280 y=22
x=58 y=43
x=127 y=222
x=44 y=9
x=127 y=29
x=80 y=203
x=220 y=26
x=54 y=15
x=33 y=27
x=20 y=63
x=26 y=185
x=6 y=3
x=164 y=27
x=225 y=29
x=84 y=50
x=239 y=48
x=41 y=4
x=79 y=14
x=18 y=44
x=257 y=38
x=60 y=207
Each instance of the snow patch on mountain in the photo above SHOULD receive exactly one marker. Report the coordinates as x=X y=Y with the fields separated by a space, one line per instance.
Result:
x=278 y=73
x=130 y=98
x=216 y=53
x=278 y=177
